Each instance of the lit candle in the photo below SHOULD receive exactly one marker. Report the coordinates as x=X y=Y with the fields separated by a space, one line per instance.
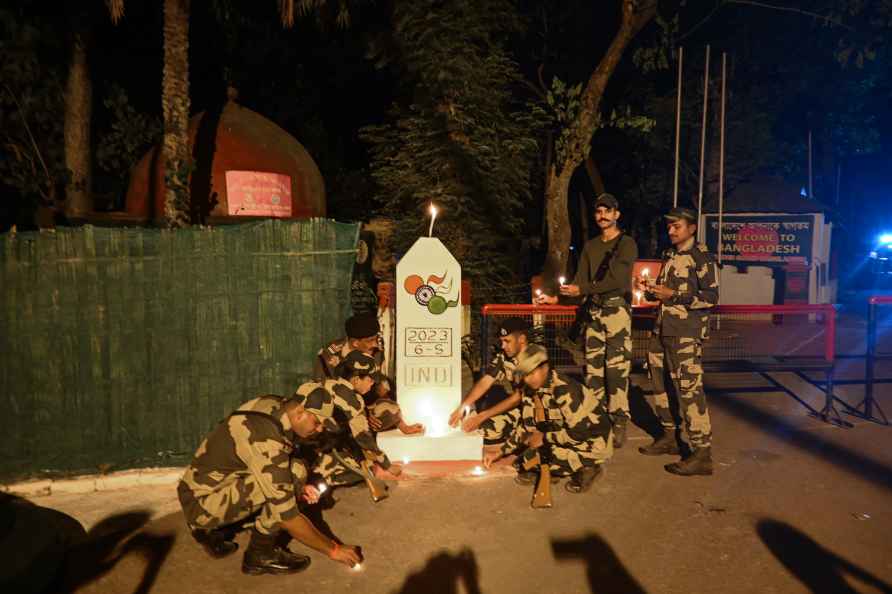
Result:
x=433 y=211
x=562 y=280
x=406 y=459
x=638 y=296
x=322 y=488
x=645 y=272
x=357 y=567
x=478 y=471
x=538 y=292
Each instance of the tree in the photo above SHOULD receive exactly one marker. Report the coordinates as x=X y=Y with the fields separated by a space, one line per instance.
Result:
x=459 y=139
x=580 y=129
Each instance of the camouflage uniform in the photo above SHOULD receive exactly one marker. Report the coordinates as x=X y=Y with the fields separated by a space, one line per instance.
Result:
x=676 y=342
x=331 y=355
x=498 y=428
x=349 y=412
x=245 y=465
x=577 y=432
x=608 y=336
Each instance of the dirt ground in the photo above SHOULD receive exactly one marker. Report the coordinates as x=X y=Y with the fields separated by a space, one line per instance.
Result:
x=796 y=505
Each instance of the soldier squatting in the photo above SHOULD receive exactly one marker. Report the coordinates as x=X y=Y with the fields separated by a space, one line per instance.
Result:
x=260 y=467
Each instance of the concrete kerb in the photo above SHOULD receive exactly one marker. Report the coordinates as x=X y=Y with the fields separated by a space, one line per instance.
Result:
x=95 y=482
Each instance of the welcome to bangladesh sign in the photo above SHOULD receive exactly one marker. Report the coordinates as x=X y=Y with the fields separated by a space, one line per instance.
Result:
x=762 y=239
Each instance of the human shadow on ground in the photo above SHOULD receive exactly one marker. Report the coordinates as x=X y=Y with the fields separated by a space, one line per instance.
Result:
x=642 y=413
x=45 y=550
x=443 y=573
x=820 y=570
x=842 y=457
x=605 y=572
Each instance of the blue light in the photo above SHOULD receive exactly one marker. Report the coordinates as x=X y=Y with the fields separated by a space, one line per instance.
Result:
x=886 y=238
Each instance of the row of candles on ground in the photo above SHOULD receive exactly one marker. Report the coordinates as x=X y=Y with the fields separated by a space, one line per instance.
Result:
x=639 y=295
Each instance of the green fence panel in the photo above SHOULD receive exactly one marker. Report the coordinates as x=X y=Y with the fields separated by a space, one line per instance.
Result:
x=121 y=348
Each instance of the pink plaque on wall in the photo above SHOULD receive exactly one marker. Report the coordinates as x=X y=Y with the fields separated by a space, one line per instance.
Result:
x=258 y=194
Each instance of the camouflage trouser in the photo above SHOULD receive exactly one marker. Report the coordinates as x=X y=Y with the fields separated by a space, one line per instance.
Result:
x=498 y=428
x=681 y=355
x=564 y=460
x=233 y=498
x=336 y=473
x=608 y=356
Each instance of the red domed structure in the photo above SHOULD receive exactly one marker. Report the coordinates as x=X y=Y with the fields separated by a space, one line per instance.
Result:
x=254 y=169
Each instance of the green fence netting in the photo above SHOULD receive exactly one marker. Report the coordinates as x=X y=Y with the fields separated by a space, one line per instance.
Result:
x=123 y=347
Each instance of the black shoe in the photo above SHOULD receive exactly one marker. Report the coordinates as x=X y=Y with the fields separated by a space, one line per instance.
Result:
x=698 y=463
x=663 y=445
x=216 y=543
x=263 y=556
x=619 y=433
x=581 y=480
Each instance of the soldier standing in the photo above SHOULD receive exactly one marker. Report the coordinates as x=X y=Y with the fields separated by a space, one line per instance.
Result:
x=247 y=466
x=363 y=335
x=687 y=288
x=604 y=279
x=497 y=420
x=574 y=439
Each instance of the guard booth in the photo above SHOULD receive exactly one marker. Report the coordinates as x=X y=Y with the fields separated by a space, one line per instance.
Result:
x=775 y=245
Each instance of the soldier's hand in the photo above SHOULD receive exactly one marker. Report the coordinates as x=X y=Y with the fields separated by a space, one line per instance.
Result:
x=412 y=429
x=661 y=292
x=375 y=423
x=471 y=423
x=310 y=494
x=546 y=299
x=536 y=439
x=489 y=458
x=455 y=417
x=570 y=290
x=349 y=555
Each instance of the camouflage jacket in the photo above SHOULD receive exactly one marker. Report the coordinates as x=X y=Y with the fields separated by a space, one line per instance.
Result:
x=692 y=273
x=574 y=416
x=255 y=445
x=501 y=368
x=331 y=355
x=349 y=413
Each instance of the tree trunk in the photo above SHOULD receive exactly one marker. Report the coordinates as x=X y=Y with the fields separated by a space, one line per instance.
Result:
x=635 y=14
x=78 y=106
x=175 y=108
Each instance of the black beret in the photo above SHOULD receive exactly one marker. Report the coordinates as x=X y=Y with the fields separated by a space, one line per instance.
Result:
x=512 y=325
x=362 y=325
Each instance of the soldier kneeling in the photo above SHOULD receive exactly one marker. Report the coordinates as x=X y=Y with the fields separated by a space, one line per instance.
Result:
x=573 y=435
x=245 y=466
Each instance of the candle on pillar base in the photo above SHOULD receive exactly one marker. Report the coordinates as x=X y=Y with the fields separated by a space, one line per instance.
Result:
x=433 y=212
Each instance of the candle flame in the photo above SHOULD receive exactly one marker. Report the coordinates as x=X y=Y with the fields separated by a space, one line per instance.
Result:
x=406 y=459
x=538 y=292
x=562 y=280
x=478 y=471
x=322 y=488
x=357 y=567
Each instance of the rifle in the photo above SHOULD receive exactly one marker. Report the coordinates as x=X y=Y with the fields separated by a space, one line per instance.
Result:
x=377 y=487
x=542 y=492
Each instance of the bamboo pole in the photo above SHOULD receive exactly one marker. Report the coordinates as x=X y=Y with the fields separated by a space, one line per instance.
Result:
x=703 y=141
x=722 y=159
x=677 y=127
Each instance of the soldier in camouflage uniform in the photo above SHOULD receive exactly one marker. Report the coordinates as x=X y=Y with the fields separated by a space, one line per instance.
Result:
x=352 y=439
x=604 y=279
x=575 y=438
x=498 y=418
x=363 y=335
x=687 y=288
x=247 y=466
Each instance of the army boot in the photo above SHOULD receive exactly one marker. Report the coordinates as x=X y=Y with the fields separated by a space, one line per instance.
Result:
x=217 y=543
x=619 y=432
x=698 y=463
x=263 y=556
x=581 y=480
x=663 y=445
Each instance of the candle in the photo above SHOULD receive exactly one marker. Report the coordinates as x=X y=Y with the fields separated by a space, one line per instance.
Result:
x=322 y=488
x=406 y=459
x=357 y=567
x=433 y=211
x=638 y=295
x=478 y=471
x=645 y=272
x=538 y=292
x=562 y=280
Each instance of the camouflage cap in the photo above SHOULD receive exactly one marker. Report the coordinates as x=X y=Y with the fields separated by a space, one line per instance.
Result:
x=320 y=403
x=607 y=200
x=532 y=357
x=512 y=325
x=358 y=363
x=681 y=212
x=387 y=412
